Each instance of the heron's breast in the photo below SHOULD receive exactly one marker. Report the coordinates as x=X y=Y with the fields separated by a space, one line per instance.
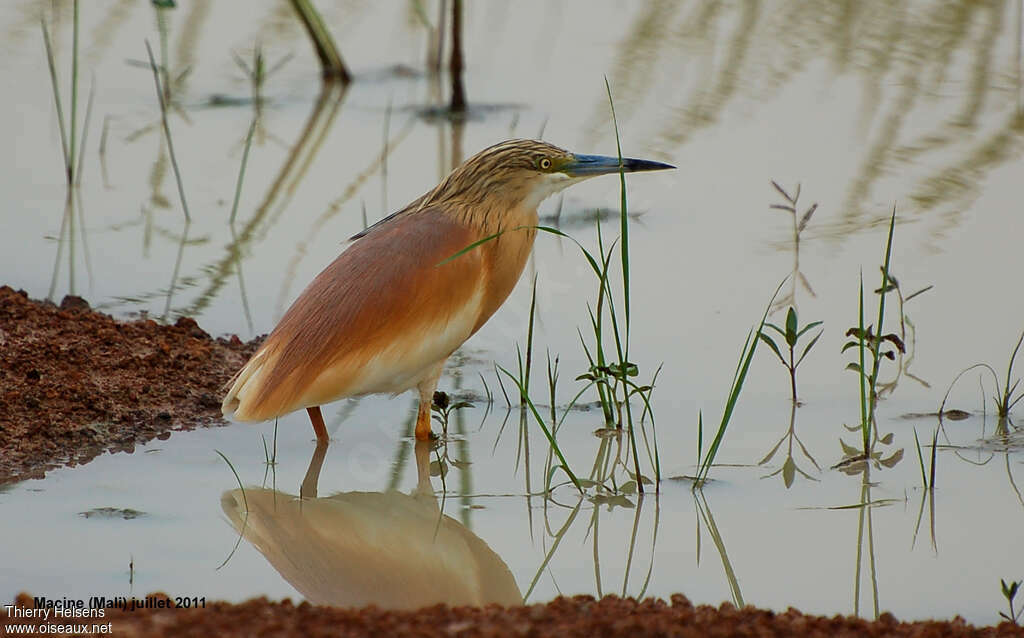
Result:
x=504 y=259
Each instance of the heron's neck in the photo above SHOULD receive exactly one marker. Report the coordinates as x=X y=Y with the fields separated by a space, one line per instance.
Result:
x=502 y=218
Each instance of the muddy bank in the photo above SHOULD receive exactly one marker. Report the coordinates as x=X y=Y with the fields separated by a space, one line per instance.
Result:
x=75 y=383
x=562 y=618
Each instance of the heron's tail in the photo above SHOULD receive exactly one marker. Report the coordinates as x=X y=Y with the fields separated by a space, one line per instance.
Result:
x=242 y=402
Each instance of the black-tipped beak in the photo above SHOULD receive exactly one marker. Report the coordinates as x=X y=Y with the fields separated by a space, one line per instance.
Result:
x=591 y=165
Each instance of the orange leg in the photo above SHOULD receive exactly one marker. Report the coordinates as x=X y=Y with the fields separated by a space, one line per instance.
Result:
x=317 y=419
x=426 y=390
x=423 y=432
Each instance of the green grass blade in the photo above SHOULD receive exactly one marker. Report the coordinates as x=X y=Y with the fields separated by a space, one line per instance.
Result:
x=746 y=356
x=865 y=425
x=623 y=218
x=1007 y=392
x=245 y=503
x=700 y=437
x=877 y=351
x=529 y=335
x=544 y=428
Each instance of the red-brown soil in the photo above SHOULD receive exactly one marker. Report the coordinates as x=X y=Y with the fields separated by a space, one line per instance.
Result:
x=581 y=616
x=74 y=383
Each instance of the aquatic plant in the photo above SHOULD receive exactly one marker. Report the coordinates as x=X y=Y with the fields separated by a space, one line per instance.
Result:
x=739 y=376
x=906 y=326
x=245 y=504
x=443 y=405
x=873 y=346
x=791 y=334
x=1005 y=399
x=612 y=374
x=1005 y=402
x=1009 y=593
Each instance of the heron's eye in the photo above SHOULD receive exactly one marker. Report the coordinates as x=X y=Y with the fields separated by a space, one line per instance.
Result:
x=544 y=164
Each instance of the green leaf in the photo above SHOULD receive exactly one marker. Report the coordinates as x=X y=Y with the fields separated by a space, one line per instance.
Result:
x=776 y=328
x=791 y=327
x=1010 y=591
x=809 y=346
x=771 y=344
x=850 y=344
x=809 y=326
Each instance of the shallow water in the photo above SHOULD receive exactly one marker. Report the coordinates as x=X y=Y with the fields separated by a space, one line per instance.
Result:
x=908 y=106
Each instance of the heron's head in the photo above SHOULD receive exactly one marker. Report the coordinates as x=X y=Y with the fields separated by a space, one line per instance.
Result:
x=524 y=172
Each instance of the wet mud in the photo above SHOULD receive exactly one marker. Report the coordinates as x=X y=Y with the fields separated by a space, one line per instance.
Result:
x=580 y=616
x=75 y=383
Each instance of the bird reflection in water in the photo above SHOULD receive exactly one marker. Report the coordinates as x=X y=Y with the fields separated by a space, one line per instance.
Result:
x=390 y=549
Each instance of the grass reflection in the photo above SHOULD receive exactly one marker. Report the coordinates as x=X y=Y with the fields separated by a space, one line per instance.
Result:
x=705 y=515
x=74 y=214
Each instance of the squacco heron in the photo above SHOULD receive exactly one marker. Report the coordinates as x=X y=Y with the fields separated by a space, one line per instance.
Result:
x=392 y=307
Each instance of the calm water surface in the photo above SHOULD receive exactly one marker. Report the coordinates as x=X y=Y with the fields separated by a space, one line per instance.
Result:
x=865 y=106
